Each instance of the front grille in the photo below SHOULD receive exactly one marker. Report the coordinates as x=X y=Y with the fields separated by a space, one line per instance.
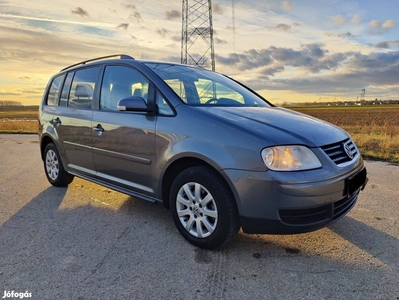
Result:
x=343 y=206
x=341 y=152
x=305 y=216
x=322 y=214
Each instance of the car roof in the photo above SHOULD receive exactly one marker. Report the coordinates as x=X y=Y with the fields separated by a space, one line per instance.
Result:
x=115 y=58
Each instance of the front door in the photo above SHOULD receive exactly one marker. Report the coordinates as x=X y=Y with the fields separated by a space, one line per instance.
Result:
x=124 y=142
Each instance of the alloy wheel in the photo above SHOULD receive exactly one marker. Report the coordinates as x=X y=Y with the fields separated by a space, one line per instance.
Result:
x=196 y=209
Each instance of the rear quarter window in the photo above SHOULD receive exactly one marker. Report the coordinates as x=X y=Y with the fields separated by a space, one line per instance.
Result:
x=55 y=90
x=65 y=89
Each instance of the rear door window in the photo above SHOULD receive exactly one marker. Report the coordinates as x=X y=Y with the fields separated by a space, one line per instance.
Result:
x=82 y=88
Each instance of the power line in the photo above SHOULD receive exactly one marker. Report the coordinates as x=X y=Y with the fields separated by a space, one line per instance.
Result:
x=233 y=17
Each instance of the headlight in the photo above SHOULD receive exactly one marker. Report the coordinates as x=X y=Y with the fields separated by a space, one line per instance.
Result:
x=290 y=158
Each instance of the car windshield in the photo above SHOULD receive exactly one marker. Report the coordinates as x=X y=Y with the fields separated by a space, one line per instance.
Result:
x=200 y=87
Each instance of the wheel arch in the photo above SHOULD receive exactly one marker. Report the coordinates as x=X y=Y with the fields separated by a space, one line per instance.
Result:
x=43 y=144
x=207 y=227
x=177 y=167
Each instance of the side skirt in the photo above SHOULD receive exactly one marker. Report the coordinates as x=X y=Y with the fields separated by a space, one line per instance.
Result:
x=118 y=188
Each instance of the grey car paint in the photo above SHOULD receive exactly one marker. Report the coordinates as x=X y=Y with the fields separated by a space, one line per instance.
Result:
x=124 y=151
x=140 y=153
x=233 y=147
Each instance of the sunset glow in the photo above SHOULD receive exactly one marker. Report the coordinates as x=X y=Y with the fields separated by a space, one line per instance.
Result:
x=288 y=51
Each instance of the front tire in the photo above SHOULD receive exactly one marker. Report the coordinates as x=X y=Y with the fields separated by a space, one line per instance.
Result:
x=53 y=167
x=203 y=208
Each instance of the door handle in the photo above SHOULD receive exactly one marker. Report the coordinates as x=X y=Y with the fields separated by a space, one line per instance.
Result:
x=57 y=122
x=98 y=129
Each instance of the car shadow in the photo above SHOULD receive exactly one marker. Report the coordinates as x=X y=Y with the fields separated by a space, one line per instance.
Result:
x=375 y=242
x=71 y=243
x=371 y=243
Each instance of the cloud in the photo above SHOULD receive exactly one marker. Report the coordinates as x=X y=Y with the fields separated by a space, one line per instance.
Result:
x=376 y=27
x=60 y=21
x=283 y=27
x=219 y=41
x=130 y=6
x=374 y=61
x=172 y=58
x=162 y=31
x=339 y=19
x=123 y=26
x=388 y=44
x=346 y=35
x=80 y=12
x=135 y=16
x=176 y=38
x=347 y=83
x=383 y=45
x=311 y=57
x=389 y=24
x=272 y=70
x=356 y=19
x=173 y=14
x=315 y=50
x=5 y=94
x=288 y=5
x=375 y=24
x=250 y=59
x=53 y=50
x=217 y=9
x=380 y=70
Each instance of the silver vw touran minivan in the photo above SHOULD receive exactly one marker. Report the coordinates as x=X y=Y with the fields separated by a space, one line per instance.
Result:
x=213 y=151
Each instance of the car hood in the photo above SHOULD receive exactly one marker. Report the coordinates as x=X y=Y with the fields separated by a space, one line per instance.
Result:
x=281 y=125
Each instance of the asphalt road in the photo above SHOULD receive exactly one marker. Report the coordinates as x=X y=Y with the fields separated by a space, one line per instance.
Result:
x=89 y=242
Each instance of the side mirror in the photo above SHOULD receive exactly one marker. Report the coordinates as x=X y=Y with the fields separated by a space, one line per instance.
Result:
x=133 y=104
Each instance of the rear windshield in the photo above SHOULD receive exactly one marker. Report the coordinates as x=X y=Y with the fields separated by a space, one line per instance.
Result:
x=200 y=87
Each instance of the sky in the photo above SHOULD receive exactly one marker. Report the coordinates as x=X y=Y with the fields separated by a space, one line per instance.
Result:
x=288 y=51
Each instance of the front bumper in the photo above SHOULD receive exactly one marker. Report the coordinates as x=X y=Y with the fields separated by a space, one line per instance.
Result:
x=268 y=204
x=300 y=220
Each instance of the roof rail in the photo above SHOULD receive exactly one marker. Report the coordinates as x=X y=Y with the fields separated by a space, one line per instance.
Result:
x=121 y=56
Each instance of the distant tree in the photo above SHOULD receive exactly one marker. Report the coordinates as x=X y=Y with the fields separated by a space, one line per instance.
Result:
x=10 y=103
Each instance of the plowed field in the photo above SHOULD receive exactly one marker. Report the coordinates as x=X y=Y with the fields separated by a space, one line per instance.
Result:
x=356 y=116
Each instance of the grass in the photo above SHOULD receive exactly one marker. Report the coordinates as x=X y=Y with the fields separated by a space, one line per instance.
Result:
x=376 y=142
x=18 y=126
x=375 y=130
x=18 y=119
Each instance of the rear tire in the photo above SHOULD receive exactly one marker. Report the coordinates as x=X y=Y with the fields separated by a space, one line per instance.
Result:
x=203 y=208
x=53 y=167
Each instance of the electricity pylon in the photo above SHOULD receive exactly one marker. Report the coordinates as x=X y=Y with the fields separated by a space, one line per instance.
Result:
x=363 y=95
x=197 y=46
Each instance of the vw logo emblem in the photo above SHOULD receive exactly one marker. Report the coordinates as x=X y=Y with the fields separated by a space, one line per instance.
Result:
x=348 y=151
